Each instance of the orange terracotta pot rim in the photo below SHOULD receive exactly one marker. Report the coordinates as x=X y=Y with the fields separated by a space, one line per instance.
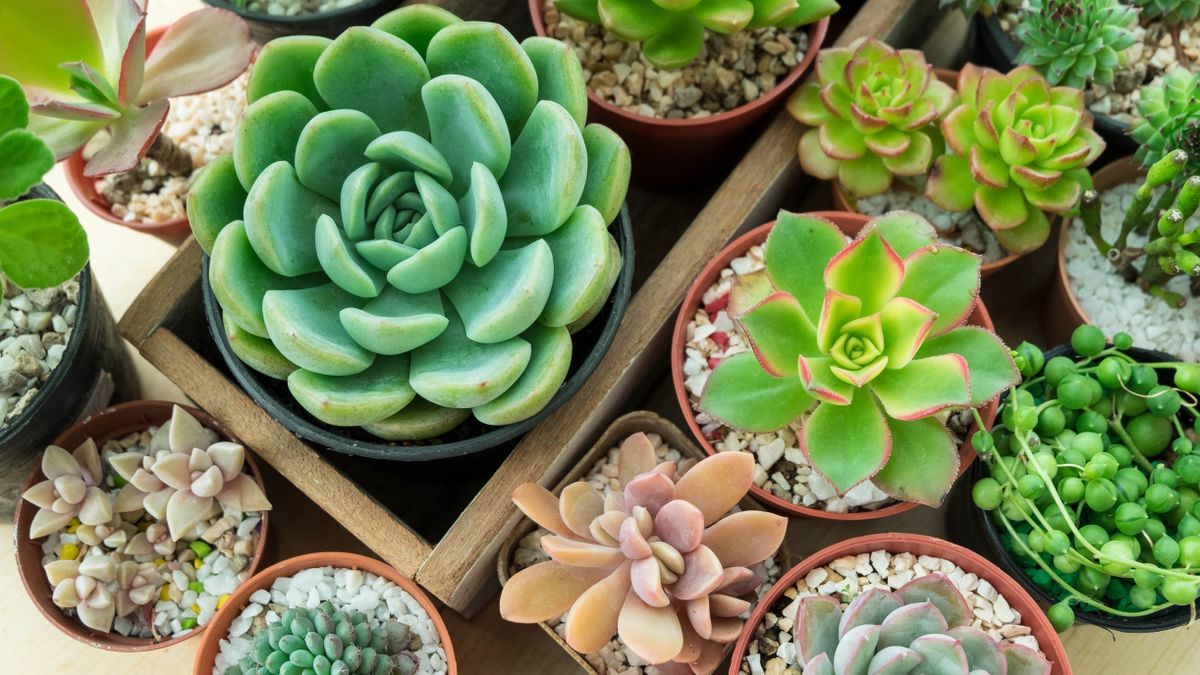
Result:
x=210 y=647
x=901 y=542
x=816 y=38
x=687 y=310
x=25 y=547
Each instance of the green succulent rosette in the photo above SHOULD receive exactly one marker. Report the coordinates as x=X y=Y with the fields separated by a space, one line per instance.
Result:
x=1075 y=42
x=863 y=343
x=1170 y=12
x=413 y=222
x=1019 y=150
x=1170 y=119
x=873 y=112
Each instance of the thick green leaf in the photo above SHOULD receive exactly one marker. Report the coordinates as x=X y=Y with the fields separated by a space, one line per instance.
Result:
x=377 y=73
x=633 y=20
x=14 y=110
x=677 y=45
x=416 y=24
x=281 y=216
x=407 y=151
x=546 y=174
x=488 y=53
x=304 y=325
x=951 y=185
x=268 y=133
x=926 y=386
x=355 y=192
x=467 y=127
x=797 y=252
x=615 y=263
x=42 y=243
x=1028 y=236
x=549 y=363
x=1001 y=209
x=375 y=394
x=905 y=231
x=983 y=652
x=215 y=199
x=440 y=205
x=819 y=379
x=559 y=75
x=456 y=372
x=585 y=10
x=779 y=332
x=924 y=462
x=944 y=279
x=847 y=444
x=483 y=214
x=581 y=262
x=991 y=364
x=906 y=323
x=498 y=301
x=331 y=147
x=25 y=160
x=742 y=395
x=940 y=654
x=864 y=176
x=609 y=167
x=724 y=16
x=839 y=310
x=418 y=421
x=395 y=322
x=342 y=262
x=257 y=352
x=240 y=280
x=286 y=64
x=867 y=269
x=434 y=266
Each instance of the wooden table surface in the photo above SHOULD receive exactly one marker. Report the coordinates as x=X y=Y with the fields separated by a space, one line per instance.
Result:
x=124 y=260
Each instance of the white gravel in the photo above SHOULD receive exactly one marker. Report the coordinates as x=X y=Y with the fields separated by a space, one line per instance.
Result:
x=966 y=230
x=293 y=7
x=35 y=329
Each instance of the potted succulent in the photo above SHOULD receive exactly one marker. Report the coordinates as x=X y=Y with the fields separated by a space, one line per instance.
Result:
x=1130 y=262
x=898 y=603
x=270 y=19
x=95 y=82
x=1087 y=492
x=421 y=253
x=660 y=555
x=992 y=196
x=62 y=357
x=329 y=613
x=131 y=540
x=682 y=80
x=840 y=365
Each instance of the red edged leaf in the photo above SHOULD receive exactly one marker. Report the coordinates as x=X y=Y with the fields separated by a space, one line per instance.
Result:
x=906 y=324
x=742 y=395
x=202 y=51
x=779 y=332
x=924 y=387
x=839 y=309
x=989 y=360
x=847 y=444
x=867 y=269
x=924 y=462
x=797 y=252
x=945 y=280
x=131 y=138
x=817 y=374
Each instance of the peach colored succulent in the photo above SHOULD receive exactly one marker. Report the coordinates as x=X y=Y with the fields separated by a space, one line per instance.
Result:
x=662 y=563
x=83 y=586
x=71 y=490
x=156 y=539
x=185 y=481
x=137 y=586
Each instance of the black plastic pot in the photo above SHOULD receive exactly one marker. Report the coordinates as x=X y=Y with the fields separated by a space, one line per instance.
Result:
x=267 y=27
x=471 y=436
x=1002 y=50
x=973 y=527
x=95 y=370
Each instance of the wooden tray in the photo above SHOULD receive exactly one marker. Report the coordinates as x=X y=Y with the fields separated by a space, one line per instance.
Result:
x=443 y=523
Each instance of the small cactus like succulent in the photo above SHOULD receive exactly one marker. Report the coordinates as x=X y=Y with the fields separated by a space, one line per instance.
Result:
x=183 y=482
x=1170 y=12
x=662 y=563
x=425 y=222
x=1075 y=42
x=1019 y=150
x=329 y=642
x=1170 y=119
x=924 y=627
x=673 y=30
x=71 y=489
x=874 y=113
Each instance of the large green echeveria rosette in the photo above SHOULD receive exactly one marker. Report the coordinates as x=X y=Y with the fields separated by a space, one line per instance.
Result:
x=863 y=344
x=413 y=222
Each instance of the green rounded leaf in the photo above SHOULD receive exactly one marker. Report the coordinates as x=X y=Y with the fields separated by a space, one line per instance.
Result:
x=559 y=75
x=609 y=167
x=376 y=73
x=797 y=251
x=416 y=24
x=215 y=200
x=483 y=214
x=240 y=280
x=467 y=127
x=418 y=421
x=581 y=254
x=498 y=301
x=434 y=266
x=923 y=464
x=549 y=363
x=742 y=395
x=25 y=160
x=342 y=262
x=847 y=444
x=489 y=54
x=268 y=133
x=677 y=45
x=395 y=322
x=457 y=372
x=989 y=360
x=304 y=325
x=286 y=64
x=332 y=147
x=257 y=352
x=42 y=243
x=376 y=393
x=281 y=216
x=547 y=172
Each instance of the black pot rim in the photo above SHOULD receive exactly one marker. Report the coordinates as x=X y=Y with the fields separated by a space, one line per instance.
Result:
x=301 y=20
x=1167 y=619
x=304 y=426
x=74 y=344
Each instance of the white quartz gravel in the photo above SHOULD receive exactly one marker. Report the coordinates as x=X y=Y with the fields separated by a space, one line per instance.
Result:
x=966 y=229
x=381 y=600
x=1114 y=304
x=35 y=329
x=293 y=7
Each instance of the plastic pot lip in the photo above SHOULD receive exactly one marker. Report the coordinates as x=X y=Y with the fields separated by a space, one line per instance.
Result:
x=816 y=38
x=78 y=332
x=1167 y=619
x=210 y=646
x=308 y=429
x=850 y=223
x=124 y=416
x=300 y=20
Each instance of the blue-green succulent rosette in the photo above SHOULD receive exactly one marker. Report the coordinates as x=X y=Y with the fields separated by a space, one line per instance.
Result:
x=413 y=223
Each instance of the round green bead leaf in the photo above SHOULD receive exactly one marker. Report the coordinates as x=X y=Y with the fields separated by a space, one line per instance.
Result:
x=376 y=393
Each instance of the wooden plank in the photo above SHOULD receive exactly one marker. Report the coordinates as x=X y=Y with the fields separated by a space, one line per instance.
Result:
x=164 y=291
x=461 y=563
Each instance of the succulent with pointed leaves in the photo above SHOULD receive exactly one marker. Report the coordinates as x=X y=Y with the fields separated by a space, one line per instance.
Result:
x=425 y=222
x=71 y=489
x=874 y=113
x=923 y=627
x=1075 y=42
x=1170 y=119
x=1019 y=150
x=138 y=585
x=662 y=564
x=183 y=483
x=984 y=7
x=862 y=344
x=83 y=585
x=323 y=640
x=673 y=30
x=95 y=75
x=1171 y=12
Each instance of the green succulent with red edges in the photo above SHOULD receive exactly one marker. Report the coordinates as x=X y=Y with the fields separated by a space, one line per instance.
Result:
x=863 y=343
x=1019 y=151
x=874 y=111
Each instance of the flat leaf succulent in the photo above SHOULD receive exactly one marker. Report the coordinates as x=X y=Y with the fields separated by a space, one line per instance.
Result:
x=924 y=627
x=1075 y=42
x=413 y=221
x=71 y=490
x=874 y=113
x=1019 y=150
x=862 y=344
x=1170 y=12
x=662 y=563
x=1170 y=119
x=94 y=74
x=673 y=30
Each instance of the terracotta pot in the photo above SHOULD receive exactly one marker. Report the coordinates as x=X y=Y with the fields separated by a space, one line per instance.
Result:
x=917 y=544
x=674 y=153
x=110 y=423
x=1062 y=312
x=850 y=223
x=219 y=626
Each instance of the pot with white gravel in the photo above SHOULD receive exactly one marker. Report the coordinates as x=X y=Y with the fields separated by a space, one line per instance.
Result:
x=269 y=19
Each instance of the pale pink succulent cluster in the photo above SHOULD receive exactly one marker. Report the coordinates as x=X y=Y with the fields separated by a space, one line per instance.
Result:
x=86 y=587
x=662 y=563
x=184 y=482
x=71 y=490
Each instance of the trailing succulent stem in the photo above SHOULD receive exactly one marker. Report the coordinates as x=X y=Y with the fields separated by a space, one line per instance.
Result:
x=1075 y=42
